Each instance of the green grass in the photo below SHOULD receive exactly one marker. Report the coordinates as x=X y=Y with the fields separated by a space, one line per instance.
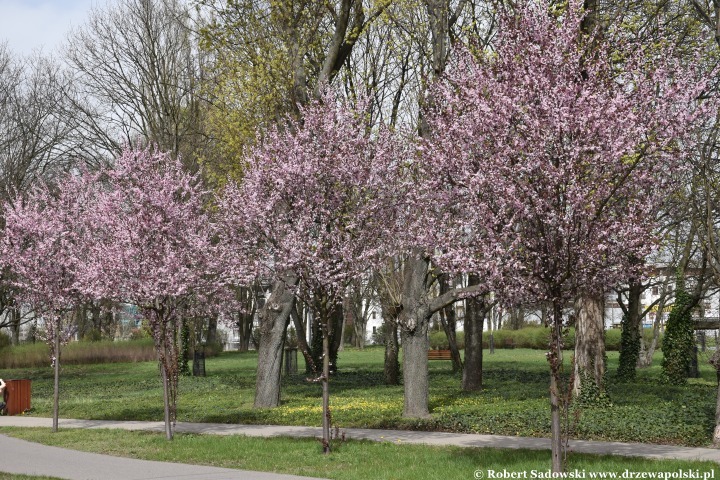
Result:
x=513 y=402
x=351 y=460
x=15 y=476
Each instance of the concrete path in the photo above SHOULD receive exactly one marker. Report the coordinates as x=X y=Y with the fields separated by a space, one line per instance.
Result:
x=21 y=457
x=395 y=436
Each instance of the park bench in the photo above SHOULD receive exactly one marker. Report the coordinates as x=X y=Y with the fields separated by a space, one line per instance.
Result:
x=439 y=355
x=509 y=343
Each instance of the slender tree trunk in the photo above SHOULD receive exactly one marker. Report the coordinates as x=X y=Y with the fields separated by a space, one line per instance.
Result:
x=337 y=318
x=646 y=356
x=273 y=323
x=302 y=341
x=474 y=319
x=491 y=342
x=166 y=401
x=517 y=318
x=589 y=343
x=56 y=380
x=327 y=330
x=555 y=360
x=15 y=325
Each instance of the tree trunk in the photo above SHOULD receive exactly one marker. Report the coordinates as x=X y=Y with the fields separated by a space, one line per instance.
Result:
x=589 y=345
x=166 y=401
x=56 y=380
x=415 y=370
x=391 y=368
x=474 y=319
x=716 y=432
x=212 y=330
x=326 y=384
x=491 y=331
x=449 y=325
x=392 y=353
x=517 y=318
x=336 y=334
x=245 y=321
x=555 y=359
x=630 y=336
x=302 y=342
x=359 y=321
x=646 y=356
x=15 y=325
x=414 y=321
x=273 y=323
x=715 y=362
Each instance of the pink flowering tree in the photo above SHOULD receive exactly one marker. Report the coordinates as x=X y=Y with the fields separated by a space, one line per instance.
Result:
x=43 y=246
x=314 y=206
x=151 y=247
x=548 y=162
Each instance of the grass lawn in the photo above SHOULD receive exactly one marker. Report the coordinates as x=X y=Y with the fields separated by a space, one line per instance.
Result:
x=352 y=460
x=513 y=402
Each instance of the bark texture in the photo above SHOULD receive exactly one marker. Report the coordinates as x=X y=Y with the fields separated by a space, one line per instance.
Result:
x=273 y=323
x=414 y=320
x=472 y=377
x=715 y=362
x=589 y=345
x=630 y=338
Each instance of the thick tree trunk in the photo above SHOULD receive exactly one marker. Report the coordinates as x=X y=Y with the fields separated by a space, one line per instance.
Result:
x=715 y=362
x=474 y=319
x=716 y=432
x=414 y=321
x=212 y=330
x=415 y=370
x=391 y=368
x=630 y=336
x=245 y=321
x=273 y=323
x=589 y=344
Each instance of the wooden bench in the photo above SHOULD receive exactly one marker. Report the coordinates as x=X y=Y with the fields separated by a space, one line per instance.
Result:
x=439 y=355
x=509 y=343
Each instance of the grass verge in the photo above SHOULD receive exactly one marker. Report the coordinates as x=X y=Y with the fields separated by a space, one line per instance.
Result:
x=353 y=460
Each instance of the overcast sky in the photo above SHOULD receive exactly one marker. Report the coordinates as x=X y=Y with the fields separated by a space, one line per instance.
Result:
x=33 y=24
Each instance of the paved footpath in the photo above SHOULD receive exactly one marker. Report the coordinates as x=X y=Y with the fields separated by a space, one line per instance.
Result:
x=85 y=465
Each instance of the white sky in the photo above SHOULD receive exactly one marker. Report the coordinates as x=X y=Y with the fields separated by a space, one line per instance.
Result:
x=27 y=25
